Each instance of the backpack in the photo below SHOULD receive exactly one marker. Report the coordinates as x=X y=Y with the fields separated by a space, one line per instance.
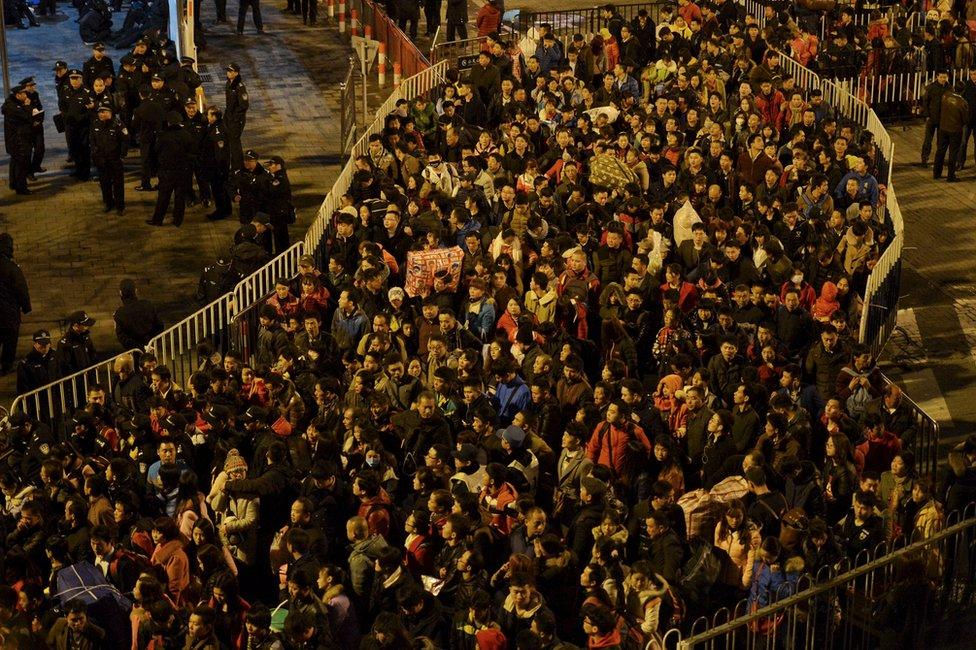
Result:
x=394 y=534
x=702 y=512
x=700 y=572
x=141 y=561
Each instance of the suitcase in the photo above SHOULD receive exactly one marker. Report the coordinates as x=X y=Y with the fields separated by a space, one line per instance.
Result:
x=108 y=608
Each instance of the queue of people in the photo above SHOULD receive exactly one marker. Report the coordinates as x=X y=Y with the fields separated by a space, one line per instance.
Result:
x=632 y=394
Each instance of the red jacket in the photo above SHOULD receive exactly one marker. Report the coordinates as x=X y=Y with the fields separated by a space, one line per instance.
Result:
x=876 y=455
x=488 y=19
x=608 y=445
x=377 y=514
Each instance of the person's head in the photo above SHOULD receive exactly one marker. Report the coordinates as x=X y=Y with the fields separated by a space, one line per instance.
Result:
x=201 y=622
x=864 y=504
x=76 y=615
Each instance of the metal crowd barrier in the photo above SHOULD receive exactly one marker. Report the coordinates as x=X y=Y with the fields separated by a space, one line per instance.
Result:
x=932 y=579
x=177 y=347
x=53 y=402
x=583 y=21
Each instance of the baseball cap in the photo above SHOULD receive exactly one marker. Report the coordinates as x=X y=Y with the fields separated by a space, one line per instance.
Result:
x=261 y=217
x=513 y=434
x=80 y=318
x=216 y=414
x=233 y=67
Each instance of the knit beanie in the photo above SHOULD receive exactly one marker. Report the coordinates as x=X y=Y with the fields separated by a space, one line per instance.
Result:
x=234 y=461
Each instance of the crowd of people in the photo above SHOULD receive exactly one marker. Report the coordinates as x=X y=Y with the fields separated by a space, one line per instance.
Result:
x=631 y=395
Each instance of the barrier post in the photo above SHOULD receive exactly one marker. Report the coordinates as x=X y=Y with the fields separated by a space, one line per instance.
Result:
x=368 y=32
x=381 y=64
x=354 y=22
x=331 y=5
x=396 y=75
x=342 y=16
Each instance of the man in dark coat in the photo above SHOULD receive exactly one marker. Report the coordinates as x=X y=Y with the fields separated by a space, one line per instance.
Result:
x=136 y=321
x=75 y=349
x=18 y=137
x=14 y=301
x=235 y=113
x=457 y=19
x=40 y=366
x=175 y=154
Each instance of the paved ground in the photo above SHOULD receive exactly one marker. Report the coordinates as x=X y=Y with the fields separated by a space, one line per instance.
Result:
x=74 y=256
x=934 y=352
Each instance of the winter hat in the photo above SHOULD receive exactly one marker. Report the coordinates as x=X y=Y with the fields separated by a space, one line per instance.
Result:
x=234 y=461
x=514 y=435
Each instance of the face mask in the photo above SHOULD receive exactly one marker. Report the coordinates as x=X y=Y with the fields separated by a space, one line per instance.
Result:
x=373 y=462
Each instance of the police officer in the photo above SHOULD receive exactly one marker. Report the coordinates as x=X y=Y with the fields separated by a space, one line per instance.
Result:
x=147 y=121
x=173 y=149
x=136 y=320
x=109 y=146
x=76 y=107
x=162 y=94
x=98 y=65
x=37 y=127
x=187 y=80
x=75 y=349
x=246 y=186
x=40 y=366
x=18 y=137
x=214 y=163
x=196 y=126
x=127 y=86
x=235 y=113
x=276 y=195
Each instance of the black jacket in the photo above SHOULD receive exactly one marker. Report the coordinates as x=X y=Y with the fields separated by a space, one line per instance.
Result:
x=136 y=322
x=174 y=149
x=109 y=141
x=14 y=296
x=75 y=352
x=236 y=103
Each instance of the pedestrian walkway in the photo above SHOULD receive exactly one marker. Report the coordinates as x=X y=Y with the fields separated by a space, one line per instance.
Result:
x=74 y=255
x=933 y=354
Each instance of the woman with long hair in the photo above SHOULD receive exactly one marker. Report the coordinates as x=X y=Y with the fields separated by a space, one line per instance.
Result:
x=739 y=538
x=840 y=477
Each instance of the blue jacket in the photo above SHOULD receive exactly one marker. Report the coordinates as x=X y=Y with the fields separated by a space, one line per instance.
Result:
x=769 y=586
x=481 y=324
x=867 y=187
x=347 y=330
x=549 y=57
x=628 y=86
x=511 y=398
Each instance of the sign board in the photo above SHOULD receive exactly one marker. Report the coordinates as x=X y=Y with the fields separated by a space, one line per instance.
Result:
x=467 y=61
x=366 y=49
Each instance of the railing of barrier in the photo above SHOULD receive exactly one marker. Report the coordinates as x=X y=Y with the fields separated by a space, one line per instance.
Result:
x=584 y=21
x=457 y=52
x=262 y=282
x=176 y=348
x=887 y=597
x=400 y=50
x=51 y=403
x=347 y=107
